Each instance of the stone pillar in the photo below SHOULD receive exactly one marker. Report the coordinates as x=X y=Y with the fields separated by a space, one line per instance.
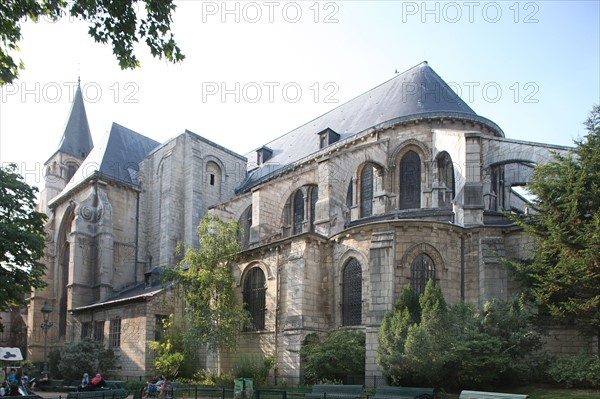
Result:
x=263 y=206
x=473 y=190
x=493 y=277
x=322 y=217
x=104 y=241
x=381 y=298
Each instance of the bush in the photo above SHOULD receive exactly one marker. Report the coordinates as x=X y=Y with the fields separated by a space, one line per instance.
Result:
x=255 y=366
x=340 y=355
x=456 y=347
x=576 y=371
x=207 y=377
x=85 y=356
x=53 y=362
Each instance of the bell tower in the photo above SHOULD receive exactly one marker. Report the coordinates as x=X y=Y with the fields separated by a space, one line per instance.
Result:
x=75 y=145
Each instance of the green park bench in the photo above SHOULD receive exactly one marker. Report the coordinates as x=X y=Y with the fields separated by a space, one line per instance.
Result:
x=401 y=392
x=335 y=391
x=490 y=395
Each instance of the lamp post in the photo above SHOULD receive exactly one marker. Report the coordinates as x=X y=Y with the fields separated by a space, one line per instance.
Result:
x=46 y=310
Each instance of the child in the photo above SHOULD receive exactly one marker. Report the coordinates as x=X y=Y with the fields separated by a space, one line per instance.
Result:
x=85 y=382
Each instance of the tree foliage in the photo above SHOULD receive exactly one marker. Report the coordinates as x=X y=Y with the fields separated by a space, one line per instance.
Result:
x=86 y=355
x=122 y=23
x=454 y=346
x=21 y=239
x=169 y=349
x=340 y=355
x=564 y=273
x=205 y=275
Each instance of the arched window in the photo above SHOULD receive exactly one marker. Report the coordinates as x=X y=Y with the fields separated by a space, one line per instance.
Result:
x=349 y=195
x=497 y=187
x=445 y=178
x=410 y=181
x=301 y=210
x=64 y=247
x=245 y=223
x=366 y=191
x=298 y=211
x=62 y=294
x=213 y=183
x=71 y=169
x=421 y=271
x=314 y=197
x=352 y=294
x=254 y=298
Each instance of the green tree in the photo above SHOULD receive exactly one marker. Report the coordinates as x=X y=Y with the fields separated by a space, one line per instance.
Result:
x=169 y=349
x=118 y=22
x=340 y=355
x=86 y=355
x=205 y=275
x=21 y=239
x=563 y=275
x=455 y=346
x=413 y=337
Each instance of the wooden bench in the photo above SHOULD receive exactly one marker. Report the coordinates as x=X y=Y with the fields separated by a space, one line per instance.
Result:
x=490 y=395
x=401 y=392
x=99 y=394
x=323 y=391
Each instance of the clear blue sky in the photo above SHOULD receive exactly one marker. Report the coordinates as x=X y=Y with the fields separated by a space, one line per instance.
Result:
x=531 y=67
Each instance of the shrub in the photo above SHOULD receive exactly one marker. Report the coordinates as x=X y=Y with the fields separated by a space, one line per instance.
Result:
x=85 y=356
x=207 y=377
x=256 y=366
x=53 y=363
x=340 y=355
x=169 y=349
x=576 y=371
x=456 y=346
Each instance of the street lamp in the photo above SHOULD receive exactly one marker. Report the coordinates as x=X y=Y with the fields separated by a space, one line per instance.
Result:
x=46 y=310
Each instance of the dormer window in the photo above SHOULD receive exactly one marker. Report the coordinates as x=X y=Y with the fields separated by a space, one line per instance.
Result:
x=327 y=137
x=263 y=154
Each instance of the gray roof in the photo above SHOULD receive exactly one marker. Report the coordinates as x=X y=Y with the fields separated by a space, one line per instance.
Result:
x=416 y=93
x=135 y=293
x=118 y=157
x=124 y=151
x=77 y=139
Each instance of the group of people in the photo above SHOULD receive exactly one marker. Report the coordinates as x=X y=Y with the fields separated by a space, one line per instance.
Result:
x=16 y=383
x=88 y=384
x=158 y=385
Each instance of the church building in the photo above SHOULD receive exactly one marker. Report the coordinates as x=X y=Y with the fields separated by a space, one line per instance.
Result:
x=402 y=184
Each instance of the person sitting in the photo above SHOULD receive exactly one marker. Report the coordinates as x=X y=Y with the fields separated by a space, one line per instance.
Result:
x=85 y=382
x=166 y=389
x=39 y=383
x=153 y=386
x=97 y=382
x=12 y=377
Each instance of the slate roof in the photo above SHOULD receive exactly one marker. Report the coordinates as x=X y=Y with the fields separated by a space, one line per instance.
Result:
x=135 y=293
x=77 y=139
x=416 y=93
x=117 y=157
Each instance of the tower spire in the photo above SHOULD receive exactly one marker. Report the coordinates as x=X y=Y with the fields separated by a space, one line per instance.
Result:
x=77 y=139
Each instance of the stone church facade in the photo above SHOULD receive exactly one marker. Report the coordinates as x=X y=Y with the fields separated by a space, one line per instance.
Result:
x=402 y=184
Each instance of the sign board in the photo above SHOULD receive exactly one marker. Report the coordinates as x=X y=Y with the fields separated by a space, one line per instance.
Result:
x=10 y=354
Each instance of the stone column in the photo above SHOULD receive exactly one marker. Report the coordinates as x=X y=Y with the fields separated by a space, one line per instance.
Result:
x=472 y=209
x=381 y=298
